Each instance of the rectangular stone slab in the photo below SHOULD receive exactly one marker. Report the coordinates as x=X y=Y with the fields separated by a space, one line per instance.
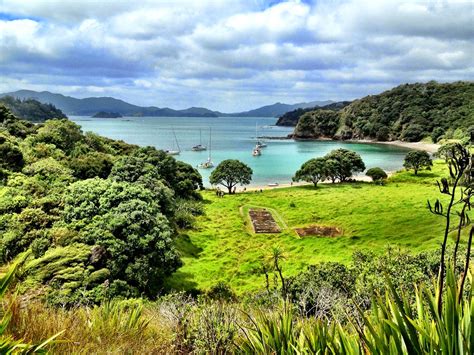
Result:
x=263 y=221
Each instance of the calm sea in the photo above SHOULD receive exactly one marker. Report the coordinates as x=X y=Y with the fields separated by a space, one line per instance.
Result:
x=234 y=138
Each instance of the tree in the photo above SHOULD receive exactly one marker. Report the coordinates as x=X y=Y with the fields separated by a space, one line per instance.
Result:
x=416 y=160
x=346 y=163
x=231 y=172
x=313 y=171
x=11 y=157
x=446 y=151
x=125 y=222
x=383 y=134
x=414 y=133
x=377 y=174
x=437 y=134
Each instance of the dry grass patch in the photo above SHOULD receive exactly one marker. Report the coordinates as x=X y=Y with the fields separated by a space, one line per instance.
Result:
x=319 y=231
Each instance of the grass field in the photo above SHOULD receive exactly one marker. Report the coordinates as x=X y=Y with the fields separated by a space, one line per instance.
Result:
x=223 y=247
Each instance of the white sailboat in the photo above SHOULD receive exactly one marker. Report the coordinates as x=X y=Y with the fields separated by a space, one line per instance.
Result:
x=257 y=151
x=171 y=151
x=208 y=163
x=199 y=147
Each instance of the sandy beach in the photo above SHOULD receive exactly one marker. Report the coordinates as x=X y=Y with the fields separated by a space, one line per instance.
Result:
x=254 y=188
x=429 y=147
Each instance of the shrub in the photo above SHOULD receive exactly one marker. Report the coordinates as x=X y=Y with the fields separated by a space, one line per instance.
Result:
x=376 y=174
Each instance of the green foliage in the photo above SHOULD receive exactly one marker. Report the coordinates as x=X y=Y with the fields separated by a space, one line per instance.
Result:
x=409 y=112
x=313 y=171
x=413 y=133
x=376 y=174
x=229 y=173
x=124 y=221
x=344 y=163
x=417 y=160
x=437 y=134
x=64 y=134
x=11 y=157
x=319 y=123
x=111 y=236
x=90 y=165
x=30 y=109
x=339 y=164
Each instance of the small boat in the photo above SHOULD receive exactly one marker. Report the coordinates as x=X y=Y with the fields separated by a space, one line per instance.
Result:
x=256 y=151
x=208 y=163
x=199 y=147
x=172 y=151
x=273 y=184
x=261 y=144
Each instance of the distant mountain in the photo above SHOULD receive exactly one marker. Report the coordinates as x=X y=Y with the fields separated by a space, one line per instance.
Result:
x=277 y=109
x=91 y=105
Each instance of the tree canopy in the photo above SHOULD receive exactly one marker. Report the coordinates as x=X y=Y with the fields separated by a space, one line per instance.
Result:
x=314 y=170
x=408 y=112
x=344 y=163
x=100 y=215
x=417 y=160
x=229 y=173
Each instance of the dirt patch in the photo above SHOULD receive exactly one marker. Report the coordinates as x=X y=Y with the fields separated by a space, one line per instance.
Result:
x=263 y=221
x=319 y=231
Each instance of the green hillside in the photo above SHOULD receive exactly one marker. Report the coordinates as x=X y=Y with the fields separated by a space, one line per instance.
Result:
x=31 y=109
x=408 y=112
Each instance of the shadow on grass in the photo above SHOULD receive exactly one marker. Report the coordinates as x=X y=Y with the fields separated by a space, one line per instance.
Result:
x=186 y=247
x=181 y=281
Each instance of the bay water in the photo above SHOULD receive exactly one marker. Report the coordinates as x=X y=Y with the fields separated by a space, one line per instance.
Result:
x=234 y=138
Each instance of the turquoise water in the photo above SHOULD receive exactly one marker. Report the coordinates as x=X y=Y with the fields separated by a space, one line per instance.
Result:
x=233 y=138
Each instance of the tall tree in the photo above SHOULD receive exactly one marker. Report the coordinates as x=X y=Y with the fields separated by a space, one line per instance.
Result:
x=313 y=171
x=346 y=164
x=417 y=160
x=229 y=173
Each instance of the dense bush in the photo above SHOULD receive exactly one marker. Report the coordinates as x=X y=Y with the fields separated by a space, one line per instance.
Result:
x=409 y=112
x=99 y=215
x=376 y=174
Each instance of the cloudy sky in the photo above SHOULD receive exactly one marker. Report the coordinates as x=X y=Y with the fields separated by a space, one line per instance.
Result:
x=232 y=55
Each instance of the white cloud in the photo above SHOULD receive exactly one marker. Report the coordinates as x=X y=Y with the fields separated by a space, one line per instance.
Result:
x=232 y=55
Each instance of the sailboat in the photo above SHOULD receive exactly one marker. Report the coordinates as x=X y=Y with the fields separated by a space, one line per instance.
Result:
x=260 y=144
x=174 y=152
x=257 y=151
x=208 y=163
x=199 y=147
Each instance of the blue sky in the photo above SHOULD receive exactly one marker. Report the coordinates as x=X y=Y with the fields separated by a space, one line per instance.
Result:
x=232 y=55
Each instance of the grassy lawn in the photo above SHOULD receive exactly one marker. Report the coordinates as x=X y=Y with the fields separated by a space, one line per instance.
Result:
x=223 y=247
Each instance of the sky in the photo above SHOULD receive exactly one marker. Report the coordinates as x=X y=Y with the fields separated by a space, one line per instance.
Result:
x=232 y=55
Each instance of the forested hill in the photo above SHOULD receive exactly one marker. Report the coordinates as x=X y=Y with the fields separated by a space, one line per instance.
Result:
x=409 y=112
x=290 y=119
x=30 y=109
x=99 y=215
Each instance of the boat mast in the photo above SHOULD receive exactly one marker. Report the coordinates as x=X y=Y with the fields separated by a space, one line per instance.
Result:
x=210 y=142
x=176 y=140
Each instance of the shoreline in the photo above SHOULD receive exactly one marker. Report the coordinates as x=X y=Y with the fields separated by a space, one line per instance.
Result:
x=429 y=147
x=256 y=188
